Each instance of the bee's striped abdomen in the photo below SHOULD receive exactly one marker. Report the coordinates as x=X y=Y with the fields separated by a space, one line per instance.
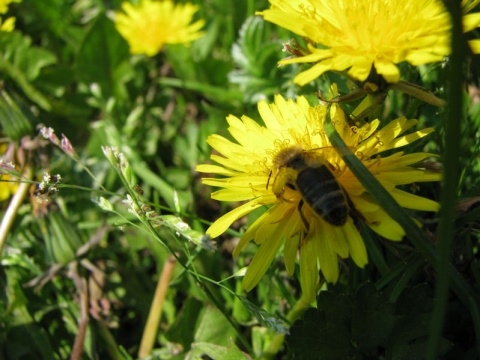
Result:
x=321 y=191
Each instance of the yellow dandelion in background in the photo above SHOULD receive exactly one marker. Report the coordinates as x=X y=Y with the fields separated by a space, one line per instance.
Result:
x=7 y=186
x=313 y=200
x=356 y=35
x=8 y=25
x=4 y=4
x=150 y=24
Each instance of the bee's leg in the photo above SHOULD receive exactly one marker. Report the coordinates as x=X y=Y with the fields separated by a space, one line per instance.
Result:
x=302 y=216
x=268 y=181
x=281 y=197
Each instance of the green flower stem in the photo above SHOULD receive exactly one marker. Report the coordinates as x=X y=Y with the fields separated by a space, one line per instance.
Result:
x=376 y=255
x=277 y=342
x=108 y=341
x=413 y=232
x=453 y=123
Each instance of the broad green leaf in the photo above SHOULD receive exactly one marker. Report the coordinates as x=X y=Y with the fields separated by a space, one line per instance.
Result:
x=182 y=330
x=22 y=63
x=213 y=327
x=103 y=57
x=23 y=337
x=214 y=351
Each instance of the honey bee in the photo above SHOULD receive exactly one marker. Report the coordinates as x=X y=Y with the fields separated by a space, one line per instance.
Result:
x=313 y=178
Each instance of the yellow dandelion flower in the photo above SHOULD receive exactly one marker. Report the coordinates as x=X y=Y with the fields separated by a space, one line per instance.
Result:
x=7 y=187
x=314 y=201
x=8 y=25
x=358 y=35
x=4 y=4
x=150 y=24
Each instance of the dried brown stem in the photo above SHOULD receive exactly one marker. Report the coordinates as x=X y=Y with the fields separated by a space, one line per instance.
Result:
x=153 y=320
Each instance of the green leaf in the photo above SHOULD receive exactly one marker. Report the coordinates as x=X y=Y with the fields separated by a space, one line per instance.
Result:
x=24 y=338
x=103 y=57
x=214 y=328
x=324 y=333
x=214 y=93
x=213 y=351
x=256 y=57
x=18 y=50
x=182 y=330
x=15 y=117
x=264 y=317
x=365 y=325
x=410 y=335
x=180 y=57
x=33 y=60
x=373 y=318
x=22 y=63
x=61 y=238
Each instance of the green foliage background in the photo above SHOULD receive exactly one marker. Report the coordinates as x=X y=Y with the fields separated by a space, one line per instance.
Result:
x=66 y=67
